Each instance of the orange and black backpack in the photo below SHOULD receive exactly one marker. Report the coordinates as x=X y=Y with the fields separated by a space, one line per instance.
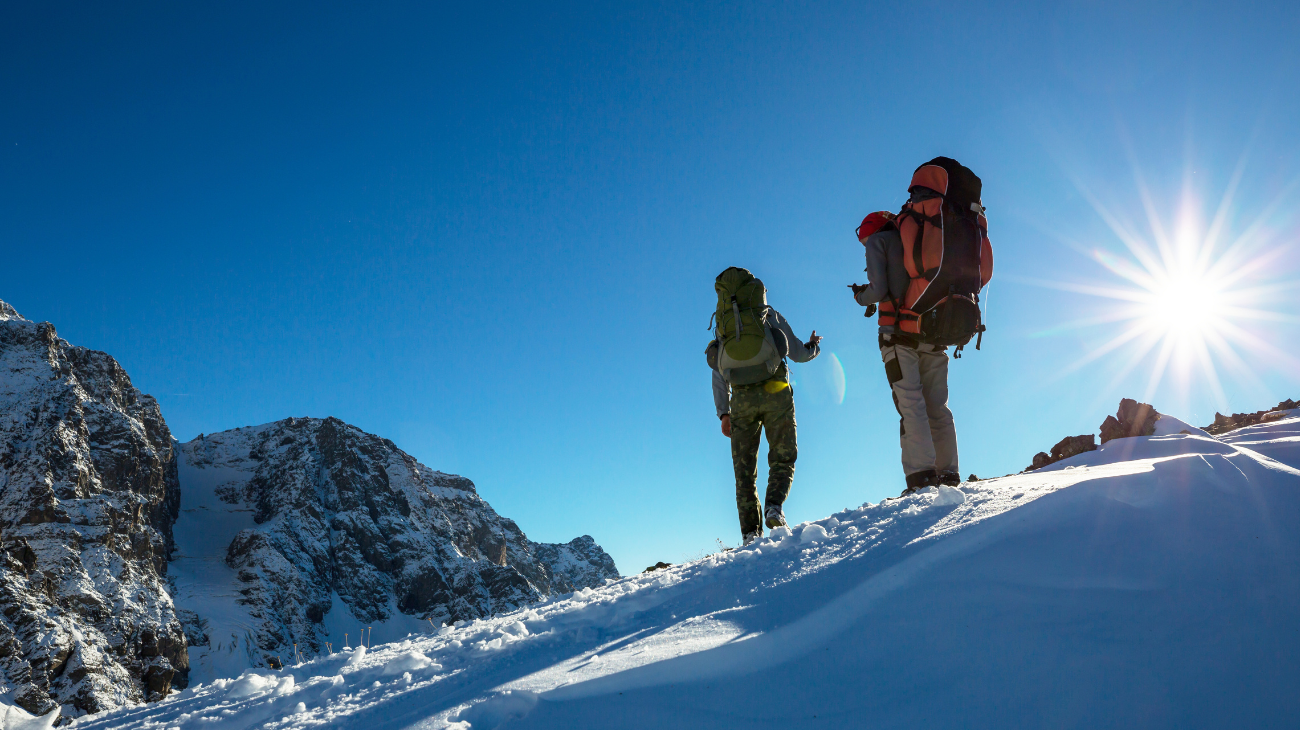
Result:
x=947 y=254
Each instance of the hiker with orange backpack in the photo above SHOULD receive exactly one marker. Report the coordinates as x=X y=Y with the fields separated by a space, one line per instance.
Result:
x=926 y=267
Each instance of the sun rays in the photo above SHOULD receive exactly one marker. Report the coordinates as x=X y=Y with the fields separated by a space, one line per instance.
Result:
x=1189 y=297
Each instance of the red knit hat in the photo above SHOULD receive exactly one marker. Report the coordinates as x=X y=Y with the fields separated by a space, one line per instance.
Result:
x=874 y=223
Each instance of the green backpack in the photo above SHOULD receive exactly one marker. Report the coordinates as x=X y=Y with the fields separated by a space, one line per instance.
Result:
x=744 y=350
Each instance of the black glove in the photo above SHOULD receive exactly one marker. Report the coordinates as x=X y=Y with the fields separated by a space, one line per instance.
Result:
x=871 y=309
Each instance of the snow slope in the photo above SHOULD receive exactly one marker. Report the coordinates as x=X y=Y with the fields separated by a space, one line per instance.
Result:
x=1154 y=582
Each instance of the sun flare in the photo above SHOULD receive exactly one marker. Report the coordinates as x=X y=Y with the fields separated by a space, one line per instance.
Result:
x=1192 y=299
x=1185 y=303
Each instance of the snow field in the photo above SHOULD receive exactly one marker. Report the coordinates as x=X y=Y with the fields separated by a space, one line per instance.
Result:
x=1153 y=582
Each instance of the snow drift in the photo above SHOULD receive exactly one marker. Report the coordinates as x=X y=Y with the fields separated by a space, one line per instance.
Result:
x=1154 y=582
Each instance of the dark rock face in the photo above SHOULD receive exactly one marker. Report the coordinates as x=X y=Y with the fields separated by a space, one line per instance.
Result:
x=1223 y=424
x=340 y=512
x=1064 y=449
x=88 y=495
x=1133 y=419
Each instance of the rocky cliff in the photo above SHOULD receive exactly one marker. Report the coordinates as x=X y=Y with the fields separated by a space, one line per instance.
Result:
x=130 y=564
x=88 y=495
x=322 y=529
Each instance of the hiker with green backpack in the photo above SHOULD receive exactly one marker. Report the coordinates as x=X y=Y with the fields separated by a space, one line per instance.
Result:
x=752 y=392
x=927 y=266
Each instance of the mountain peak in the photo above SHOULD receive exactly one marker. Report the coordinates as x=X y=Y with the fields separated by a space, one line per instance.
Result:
x=324 y=528
x=8 y=312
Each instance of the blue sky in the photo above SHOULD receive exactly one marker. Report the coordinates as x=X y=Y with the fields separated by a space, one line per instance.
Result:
x=489 y=231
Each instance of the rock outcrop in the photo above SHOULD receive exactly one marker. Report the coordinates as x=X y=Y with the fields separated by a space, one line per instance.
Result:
x=342 y=528
x=1132 y=419
x=1223 y=424
x=88 y=495
x=1064 y=449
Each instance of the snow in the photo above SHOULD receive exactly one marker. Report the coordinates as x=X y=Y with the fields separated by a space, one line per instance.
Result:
x=202 y=581
x=949 y=496
x=1167 y=425
x=16 y=718
x=1154 y=582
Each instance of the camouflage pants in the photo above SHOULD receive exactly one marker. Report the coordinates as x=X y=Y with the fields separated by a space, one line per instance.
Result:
x=752 y=410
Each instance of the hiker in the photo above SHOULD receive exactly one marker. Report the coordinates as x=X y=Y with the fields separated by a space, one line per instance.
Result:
x=751 y=391
x=925 y=268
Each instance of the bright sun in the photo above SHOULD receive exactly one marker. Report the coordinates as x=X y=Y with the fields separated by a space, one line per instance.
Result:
x=1184 y=303
x=1185 y=296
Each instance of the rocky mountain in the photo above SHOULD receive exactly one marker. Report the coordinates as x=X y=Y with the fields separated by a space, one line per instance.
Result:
x=296 y=531
x=131 y=564
x=88 y=496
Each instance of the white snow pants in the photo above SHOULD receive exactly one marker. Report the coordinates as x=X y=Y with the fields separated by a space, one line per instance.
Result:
x=919 y=378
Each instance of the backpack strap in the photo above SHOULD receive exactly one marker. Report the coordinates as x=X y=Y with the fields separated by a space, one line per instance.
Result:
x=921 y=219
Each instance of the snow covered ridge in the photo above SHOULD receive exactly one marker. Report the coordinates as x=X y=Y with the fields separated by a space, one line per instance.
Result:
x=1154 y=582
x=298 y=534
x=88 y=494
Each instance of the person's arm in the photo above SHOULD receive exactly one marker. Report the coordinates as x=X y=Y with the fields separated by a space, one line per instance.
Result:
x=721 y=395
x=877 y=288
x=799 y=350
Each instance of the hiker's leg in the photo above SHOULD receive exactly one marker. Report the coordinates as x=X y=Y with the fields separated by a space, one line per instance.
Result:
x=943 y=431
x=746 y=422
x=902 y=367
x=782 y=447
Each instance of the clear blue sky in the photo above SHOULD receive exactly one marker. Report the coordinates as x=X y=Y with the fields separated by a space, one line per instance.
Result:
x=489 y=232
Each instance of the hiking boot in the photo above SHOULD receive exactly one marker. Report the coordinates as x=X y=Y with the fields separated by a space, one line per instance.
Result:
x=949 y=478
x=774 y=517
x=920 y=480
x=750 y=537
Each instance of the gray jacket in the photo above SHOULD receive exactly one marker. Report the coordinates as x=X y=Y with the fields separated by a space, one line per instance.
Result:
x=886 y=272
x=798 y=353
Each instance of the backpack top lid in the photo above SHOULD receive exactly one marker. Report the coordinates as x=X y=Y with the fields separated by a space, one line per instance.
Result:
x=744 y=286
x=874 y=223
x=949 y=178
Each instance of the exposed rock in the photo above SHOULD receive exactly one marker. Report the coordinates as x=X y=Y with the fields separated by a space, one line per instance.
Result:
x=1064 y=449
x=88 y=495
x=1223 y=424
x=1133 y=419
x=324 y=517
x=657 y=566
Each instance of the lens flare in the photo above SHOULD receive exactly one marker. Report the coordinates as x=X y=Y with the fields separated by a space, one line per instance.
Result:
x=1189 y=300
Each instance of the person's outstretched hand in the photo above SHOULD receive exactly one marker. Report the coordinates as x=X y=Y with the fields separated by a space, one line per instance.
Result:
x=726 y=426
x=812 y=340
x=857 y=288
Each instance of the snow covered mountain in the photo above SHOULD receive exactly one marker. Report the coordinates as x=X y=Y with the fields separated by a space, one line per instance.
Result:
x=88 y=495
x=284 y=538
x=1153 y=582
x=308 y=531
